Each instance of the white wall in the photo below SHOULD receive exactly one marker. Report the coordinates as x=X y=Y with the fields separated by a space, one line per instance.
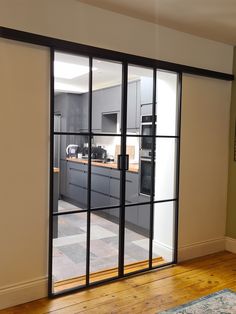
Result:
x=204 y=165
x=24 y=99
x=75 y=21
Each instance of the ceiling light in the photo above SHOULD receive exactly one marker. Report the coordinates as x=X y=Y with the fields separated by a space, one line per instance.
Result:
x=63 y=87
x=69 y=70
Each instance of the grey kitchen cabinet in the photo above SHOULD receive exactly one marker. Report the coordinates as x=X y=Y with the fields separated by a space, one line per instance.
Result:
x=131 y=215
x=99 y=199
x=146 y=90
x=132 y=187
x=84 y=112
x=114 y=190
x=144 y=216
x=105 y=192
x=76 y=187
x=100 y=186
x=132 y=106
x=105 y=100
x=77 y=194
x=63 y=177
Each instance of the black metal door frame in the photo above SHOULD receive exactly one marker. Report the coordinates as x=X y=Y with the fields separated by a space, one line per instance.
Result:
x=122 y=206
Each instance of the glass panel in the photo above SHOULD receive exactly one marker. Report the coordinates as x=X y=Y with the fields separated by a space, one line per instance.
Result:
x=138 y=176
x=69 y=251
x=165 y=168
x=106 y=98
x=167 y=103
x=105 y=176
x=140 y=98
x=70 y=173
x=104 y=244
x=163 y=232
x=137 y=226
x=71 y=84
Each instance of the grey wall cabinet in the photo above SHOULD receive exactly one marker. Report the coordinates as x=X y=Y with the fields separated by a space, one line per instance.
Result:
x=132 y=106
x=106 y=100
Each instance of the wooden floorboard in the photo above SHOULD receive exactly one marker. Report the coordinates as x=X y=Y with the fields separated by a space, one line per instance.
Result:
x=105 y=274
x=146 y=293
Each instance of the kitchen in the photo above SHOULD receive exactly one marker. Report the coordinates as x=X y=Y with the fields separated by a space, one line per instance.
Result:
x=72 y=145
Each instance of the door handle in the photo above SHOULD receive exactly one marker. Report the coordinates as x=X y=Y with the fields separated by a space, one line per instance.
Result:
x=120 y=162
x=126 y=162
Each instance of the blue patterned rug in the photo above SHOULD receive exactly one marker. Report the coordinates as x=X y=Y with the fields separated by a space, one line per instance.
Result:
x=221 y=302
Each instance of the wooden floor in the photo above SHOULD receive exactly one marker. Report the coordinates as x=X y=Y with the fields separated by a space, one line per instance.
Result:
x=104 y=274
x=147 y=293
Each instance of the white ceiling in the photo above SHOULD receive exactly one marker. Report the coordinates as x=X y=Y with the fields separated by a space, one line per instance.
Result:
x=105 y=74
x=212 y=19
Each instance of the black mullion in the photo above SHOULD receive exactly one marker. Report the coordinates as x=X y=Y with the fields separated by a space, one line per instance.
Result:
x=123 y=171
x=51 y=217
x=152 y=167
x=110 y=134
x=89 y=172
x=95 y=209
x=179 y=99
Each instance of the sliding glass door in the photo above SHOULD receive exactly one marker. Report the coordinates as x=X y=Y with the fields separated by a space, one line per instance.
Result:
x=114 y=187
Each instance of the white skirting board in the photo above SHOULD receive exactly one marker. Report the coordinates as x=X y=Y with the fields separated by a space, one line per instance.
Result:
x=23 y=292
x=230 y=244
x=163 y=250
x=200 y=249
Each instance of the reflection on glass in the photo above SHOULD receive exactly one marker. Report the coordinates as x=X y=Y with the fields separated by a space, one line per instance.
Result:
x=167 y=103
x=69 y=251
x=105 y=176
x=104 y=243
x=71 y=81
x=137 y=226
x=106 y=98
x=165 y=168
x=163 y=232
x=140 y=98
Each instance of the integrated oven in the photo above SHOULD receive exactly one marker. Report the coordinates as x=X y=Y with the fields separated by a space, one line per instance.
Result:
x=146 y=154
x=145 y=176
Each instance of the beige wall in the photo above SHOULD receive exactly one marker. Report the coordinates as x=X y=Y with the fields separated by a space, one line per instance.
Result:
x=231 y=217
x=204 y=159
x=75 y=21
x=24 y=102
x=24 y=138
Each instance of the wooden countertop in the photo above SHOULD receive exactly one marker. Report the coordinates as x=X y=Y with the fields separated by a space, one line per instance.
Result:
x=113 y=165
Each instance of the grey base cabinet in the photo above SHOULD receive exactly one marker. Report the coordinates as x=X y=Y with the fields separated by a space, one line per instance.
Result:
x=105 y=192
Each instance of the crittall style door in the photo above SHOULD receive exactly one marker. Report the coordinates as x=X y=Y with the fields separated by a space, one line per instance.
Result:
x=114 y=187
